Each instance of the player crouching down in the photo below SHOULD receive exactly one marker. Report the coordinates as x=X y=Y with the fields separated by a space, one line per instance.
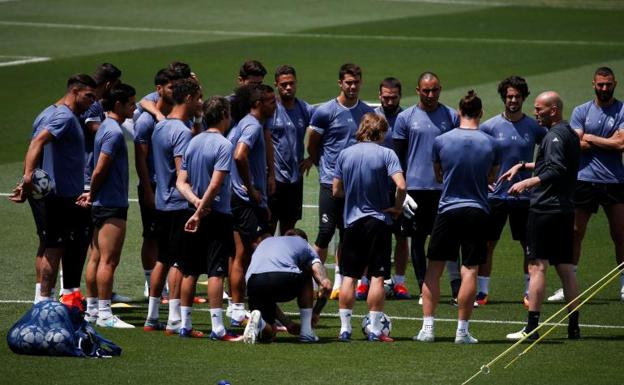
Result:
x=281 y=269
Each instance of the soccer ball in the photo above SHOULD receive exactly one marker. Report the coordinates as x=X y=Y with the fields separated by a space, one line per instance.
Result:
x=30 y=338
x=59 y=341
x=42 y=184
x=51 y=315
x=386 y=325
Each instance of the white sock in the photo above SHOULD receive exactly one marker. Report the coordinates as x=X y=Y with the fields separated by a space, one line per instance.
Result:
x=398 y=279
x=305 y=316
x=37 y=293
x=41 y=299
x=375 y=320
x=185 y=314
x=364 y=280
x=104 y=308
x=428 y=323
x=484 y=284
x=238 y=312
x=66 y=291
x=174 y=311
x=345 y=320
x=462 y=327
x=337 y=279
x=216 y=318
x=153 y=308
x=92 y=306
x=527 y=278
x=453 y=270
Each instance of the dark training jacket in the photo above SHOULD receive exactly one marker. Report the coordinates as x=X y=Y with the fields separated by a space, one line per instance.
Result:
x=556 y=165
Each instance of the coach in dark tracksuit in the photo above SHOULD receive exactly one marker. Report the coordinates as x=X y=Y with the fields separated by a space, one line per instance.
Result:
x=551 y=214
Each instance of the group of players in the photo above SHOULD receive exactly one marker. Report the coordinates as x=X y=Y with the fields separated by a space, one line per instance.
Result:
x=218 y=176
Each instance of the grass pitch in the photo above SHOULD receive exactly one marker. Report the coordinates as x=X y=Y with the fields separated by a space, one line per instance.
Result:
x=555 y=44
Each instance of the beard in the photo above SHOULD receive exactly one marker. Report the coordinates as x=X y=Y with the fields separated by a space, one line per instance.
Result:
x=604 y=96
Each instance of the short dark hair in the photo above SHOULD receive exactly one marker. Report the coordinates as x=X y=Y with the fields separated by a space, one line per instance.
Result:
x=251 y=68
x=215 y=109
x=390 y=82
x=183 y=88
x=182 y=70
x=427 y=75
x=80 y=81
x=349 y=69
x=285 y=69
x=245 y=97
x=515 y=82
x=258 y=93
x=470 y=105
x=298 y=232
x=106 y=72
x=162 y=77
x=604 y=71
x=119 y=93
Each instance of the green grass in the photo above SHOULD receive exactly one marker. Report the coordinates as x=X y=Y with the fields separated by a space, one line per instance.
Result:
x=556 y=46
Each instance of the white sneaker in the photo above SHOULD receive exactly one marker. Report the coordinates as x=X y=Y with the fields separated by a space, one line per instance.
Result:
x=517 y=336
x=424 y=336
x=557 y=296
x=113 y=322
x=465 y=338
x=250 y=335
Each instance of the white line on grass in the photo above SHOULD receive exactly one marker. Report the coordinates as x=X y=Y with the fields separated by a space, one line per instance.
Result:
x=472 y=40
x=486 y=3
x=19 y=60
x=335 y=315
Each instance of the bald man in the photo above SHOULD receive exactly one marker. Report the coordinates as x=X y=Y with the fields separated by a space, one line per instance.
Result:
x=551 y=212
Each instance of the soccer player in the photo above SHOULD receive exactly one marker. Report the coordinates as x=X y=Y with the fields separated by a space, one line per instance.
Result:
x=332 y=129
x=204 y=180
x=106 y=77
x=249 y=185
x=250 y=73
x=362 y=177
x=169 y=141
x=390 y=108
x=108 y=196
x=516 y=135
x=287 y=127
x=551 y=213
x=415 y=130
x=64 y=161
x=600 y=124
x=148 y=102
x=37 y=206
x=144 y=164
x=281 y=269
x=465 y=162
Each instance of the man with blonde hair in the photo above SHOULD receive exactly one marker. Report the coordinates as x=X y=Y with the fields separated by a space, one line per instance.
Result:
x=361 y=176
